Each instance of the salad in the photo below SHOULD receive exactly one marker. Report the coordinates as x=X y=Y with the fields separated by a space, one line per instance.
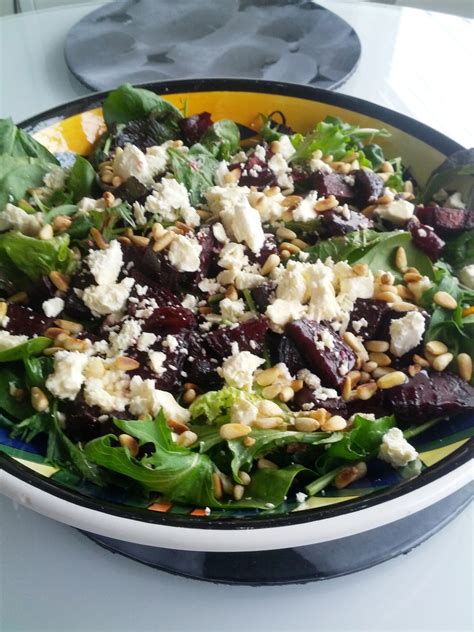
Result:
x=228 y=322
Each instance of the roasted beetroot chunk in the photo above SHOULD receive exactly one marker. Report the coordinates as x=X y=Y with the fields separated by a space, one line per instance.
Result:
x=323 y=350
x=250 y=336
x=84 y=422
x=132 y=190
x=447 y=222
x=24 y=320
x=193 y=127
x=425 y=238
x=170 y=319
x=143 y=133
x=287 y=353
x=333 y=184
x=368 y=187
x=269 y=248
x=255 y=173
x=336 y=224
x=199 y=364
x=366 y=317
x=306 y=397
x=428 y=395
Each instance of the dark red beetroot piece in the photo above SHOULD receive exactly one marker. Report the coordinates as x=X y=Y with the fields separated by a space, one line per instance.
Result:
x=324 y=362
x=269 y=248
x=372 y=311
x=82 y=421
x=143 y=133
x=199 y=364
x=368 y=187
x=252 y=331
x=447 y=222
x=132 y=190
x=255 y=173
x=194 y=127
x=23 y=320
x=335 y=224
x=333 y=184
x=263 y=295
x=287 y=353
x=428 y=395
x=335 y=405
x=169 y=320
x=425 y=238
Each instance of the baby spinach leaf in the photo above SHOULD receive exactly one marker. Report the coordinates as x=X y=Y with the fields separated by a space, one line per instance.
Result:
x=195 y=169
x=37 y=370
x=271 y=487
x=16 y=142
x=127 y=103
x=34 y=425
x=32 y=347
x=459 y=251
x=17 y=175
x=18 y=409
x=374 y=153
x=81 y=179
x=456 y=173
x=64 y=209
x=222 y=139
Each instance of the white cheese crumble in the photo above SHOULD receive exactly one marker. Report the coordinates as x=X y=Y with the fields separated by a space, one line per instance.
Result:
x=53 y=307
x=305 y=210
x=244 y=224
x=67 y=378
x=455 y=201
x=15 y=218
x=238 y=369
x=286 y=148
x=131 y=161
x=357 y=325
x=219 y=233
x=170 y=201
x=466 y=276
x=189 y=302
x=184 y=253
x=280 y=168
x=232 y=257
x=105 y=265
x=157 y=359
x=406 y=333
x=417 y=288
x=8 y=341
x=146 y=399
x=243 y=412
x=109 y=392
x=397 y=212
x=55 y=179
x=145 y=341
x=301 y=497
x=107 y=299
x=232 y=310
x=126 y=337
x=314 y=383
x=395 y=449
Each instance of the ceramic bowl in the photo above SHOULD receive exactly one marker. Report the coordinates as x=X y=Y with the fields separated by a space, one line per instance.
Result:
x=342 y=531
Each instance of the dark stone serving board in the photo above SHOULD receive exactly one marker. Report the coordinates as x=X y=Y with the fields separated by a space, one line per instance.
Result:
x=149 y=40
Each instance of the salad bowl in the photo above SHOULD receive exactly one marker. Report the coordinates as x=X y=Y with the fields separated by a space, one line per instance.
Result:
x=334 y=531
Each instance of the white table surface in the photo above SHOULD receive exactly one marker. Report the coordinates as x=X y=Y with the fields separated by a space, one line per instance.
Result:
x=52 y=578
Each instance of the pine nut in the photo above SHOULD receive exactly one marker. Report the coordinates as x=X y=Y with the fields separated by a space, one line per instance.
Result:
x=217 y=486
x=46 y=232
x=441 y=362
x=421 y=361
x=272 y=391
x=233 y=431
x=285 y=254
x=98 y=239
x=126 y=441
x=356 y=345
x=320 y=414
x=54 y=332
x=412 y=277
x=124 y=363
x=364 y=377
x=177 y=426
x=360 y=269
x=189 y=396
x=238 y=492
x=388 y=297
x=381 y=371
x=350 y=474
x=347 y=389
x=94 y=368
x=464 y=361
x=413 y=369
x=382 y=359
x=386 y=198
x=267 y=376
x=51 y=351
x=248 y=441
x=141 y=242
x=354 y=377
x=157 y=231
x=404 y=293
x=39 y=401
x=265 y=464
x=383 y=287
x=436 y=347
x=59 y=281
x=286 y=394
x=231 y=293
x=187 y=438
x=267 y=423
x=300 y=244
x=408 y=187
x=286 y=233
x=326 y=204
x=387 y=278
x=267 y=408
x=3 y=309
x=272 y=191
x=306 y=424
x=386 y=167
x=205 y=310
x=403 y=307
x=116 y=181
x=73 y=344
x=244 y=477
x=443 y=299
x=366 y=391
x=379 y=346
x=69 y=325
x=164 y=241
x=107 y=176
x=334 y=424
x=289 y=202
x=124 y=240
x=391 y=380
x=188 y=385
x=369 y=366
x=272 y=262
x=109 y=198
x=401 y=260
x=289 y=247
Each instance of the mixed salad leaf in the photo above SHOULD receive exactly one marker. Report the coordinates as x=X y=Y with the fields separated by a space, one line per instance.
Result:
x=231 y=324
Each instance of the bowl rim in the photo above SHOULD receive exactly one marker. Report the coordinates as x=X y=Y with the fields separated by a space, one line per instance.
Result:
x=453 y=467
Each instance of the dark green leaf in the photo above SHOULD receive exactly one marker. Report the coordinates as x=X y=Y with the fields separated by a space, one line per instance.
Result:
x=374 y=153
x=270 y=487
x=222 y=139
x=17 y=175
x=456 y=174
x=16 y=142
x=44 y=256
x=37 y=370
x=195 y=169
x=127 y=103
x=64 y=209
x=31 y=427
x=81 y=179
x=13 y=407
x=459 y=251
x=32 y=347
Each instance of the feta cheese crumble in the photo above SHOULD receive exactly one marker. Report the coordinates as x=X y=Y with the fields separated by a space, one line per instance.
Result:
x=395 y=449
x=406 y=333
x=184 y=253
x=53 y=307
x=67 y=378
x=397 y=212
x=238 y=369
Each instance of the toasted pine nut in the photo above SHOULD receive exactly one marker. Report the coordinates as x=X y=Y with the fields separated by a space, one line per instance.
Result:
x=189 y=396
x=248 y=441
x=369 y=366
x=265 y=464
x=402 y=306
x=364 y=377
x=286 y=393
x=464 y=361
x=53 y=332
x=286 y=233
x=267 y=408
x=347 y=389
x=356 y=345
x=244 y=477
x=51 y=351
x=408 y=187
x=320 y=414
x=354 y=377
x=285 y=254
x=378 y=346
x=350 y=474
x=233 y=176
x=164 y=241
x=288 y=202
x=441 y=362
x=366 y=391
x=267 y=423
x=388 y=297
x=334 y=424
x=73 y=344
x=188 y=385
x=234 y=431
x=141 y=242
x=386 y=167
x=326 y=204
x=391 y=379
x=290 y=247
x=46 y=232
x=386 y=198
x=238 y=492
x=443 y=299
x=382 y=359
x=157 y=231
x=404 y=293
x=231 y=293
x=98 y=238
x=39 y=401
x=306 y=424
x=187 y=438
x=436 y=347
x=360 y=269
x=69 y=325
x=412 y=277
x=297 y=385
x=124 y=363
x=300 y=244
x=3 y=309
x=109 y=198
x=126 y=441
x=384 y=287
x=205 y=310
x=18 y=298
x=272 y=391
x=267 y=376
x=421 y=361
x=217 y=485
x=380 y=371
x=272 y=262
x=413 y=369
x=116 y=181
